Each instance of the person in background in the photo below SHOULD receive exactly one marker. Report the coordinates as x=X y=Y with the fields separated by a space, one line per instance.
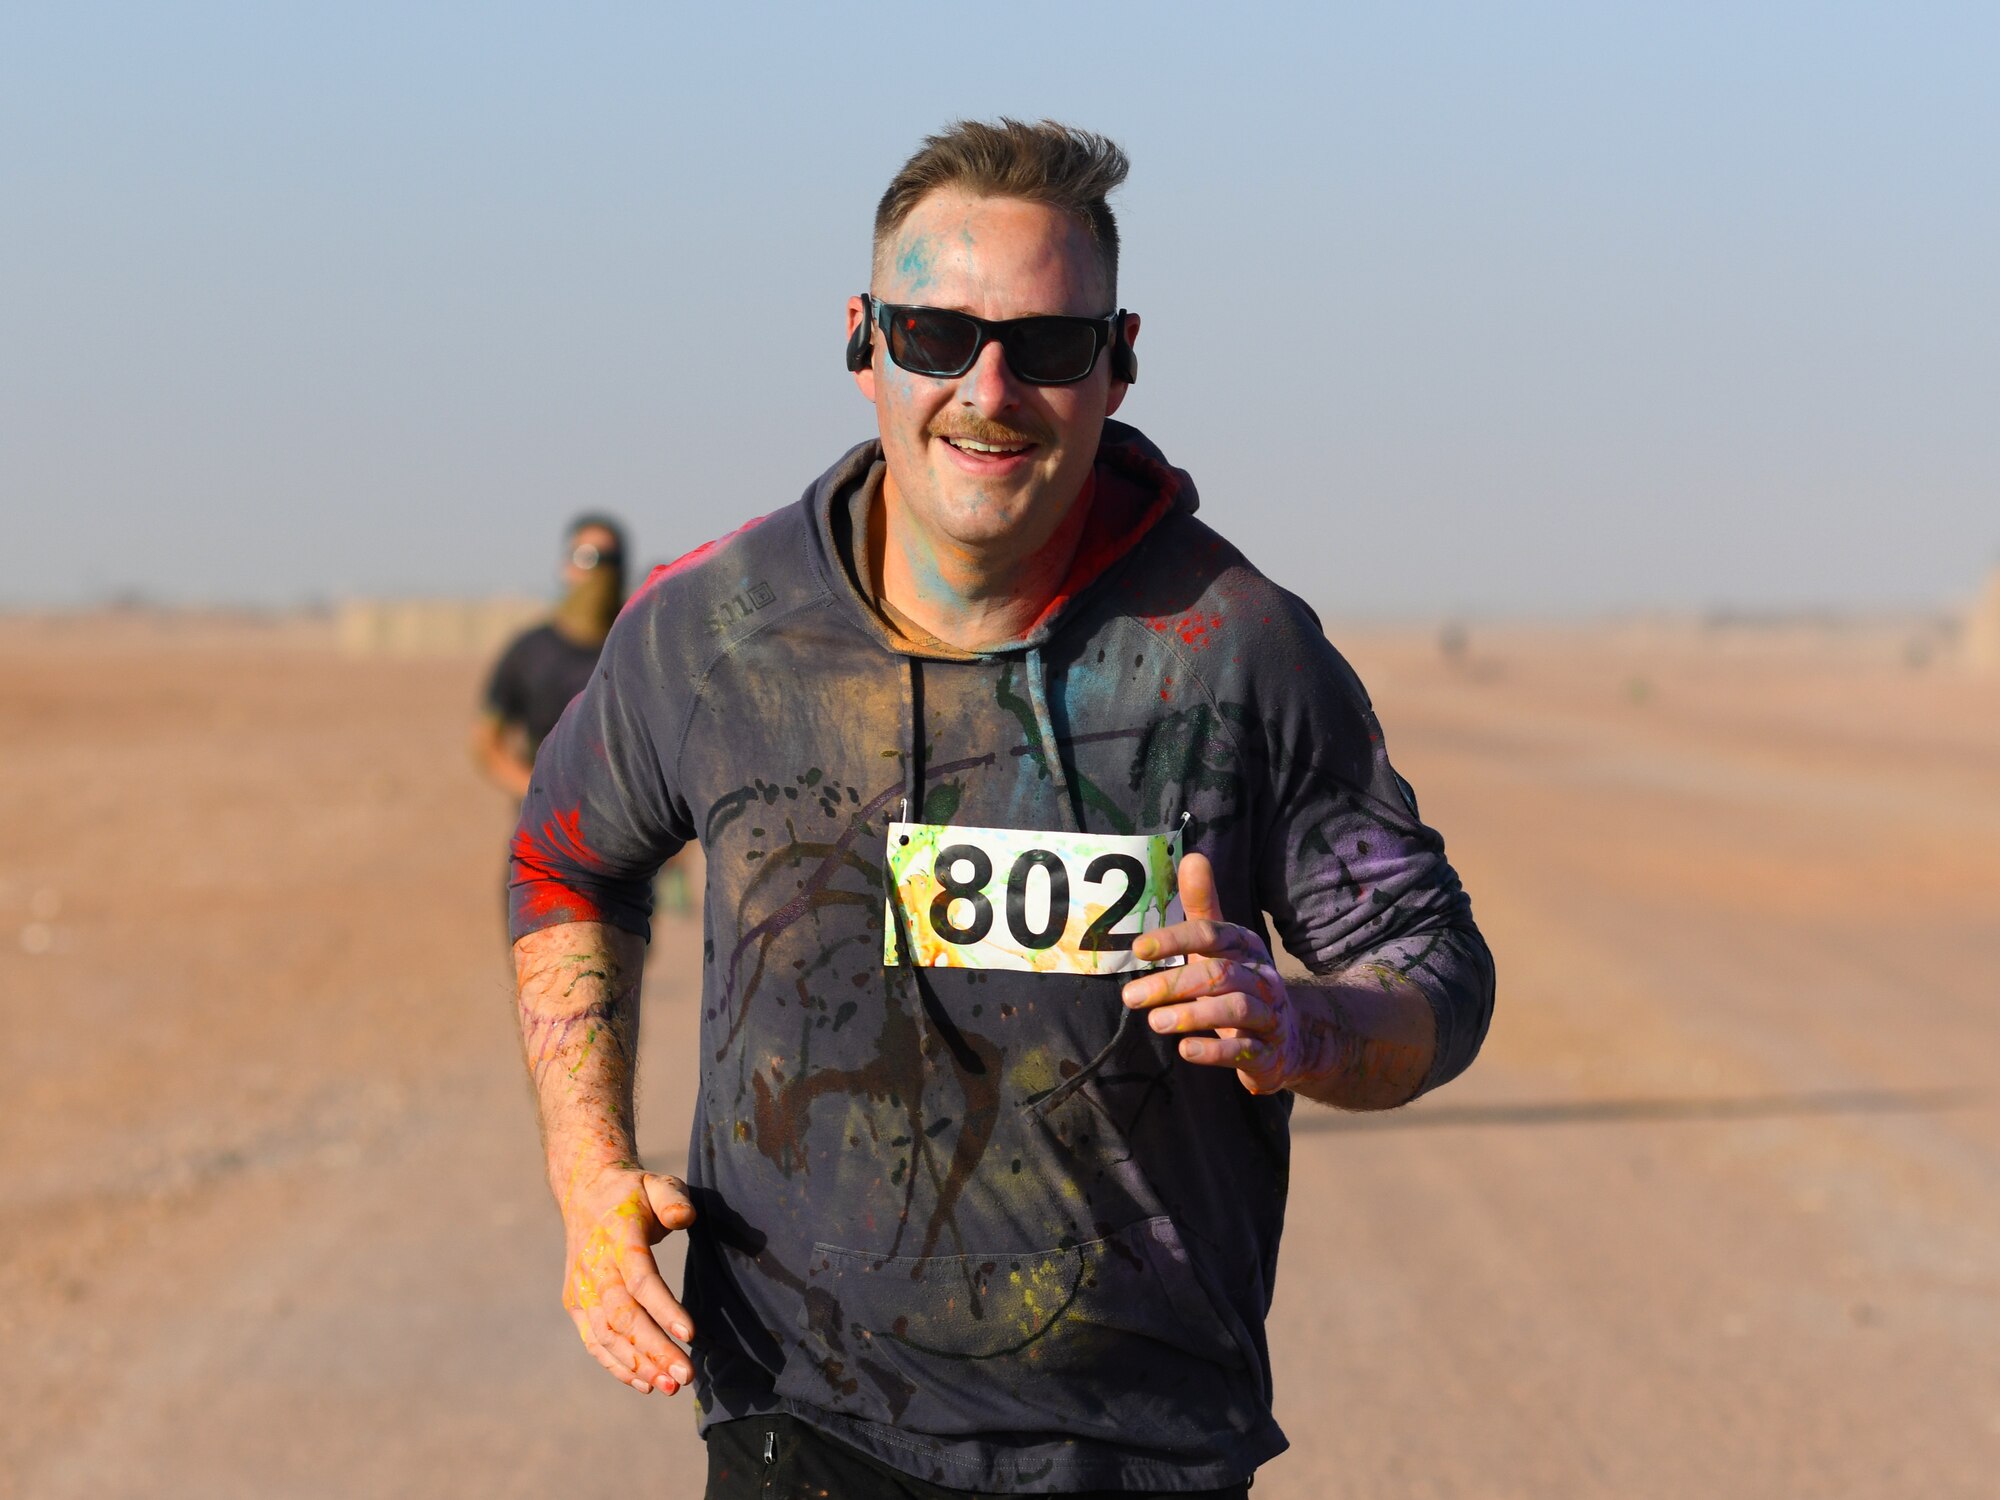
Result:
x=547 y=666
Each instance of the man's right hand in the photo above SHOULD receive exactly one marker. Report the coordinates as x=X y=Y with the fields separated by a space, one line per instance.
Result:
x=611 y=1284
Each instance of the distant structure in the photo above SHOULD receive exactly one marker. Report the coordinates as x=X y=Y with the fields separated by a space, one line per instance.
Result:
x=432 y=627
x=1982 y=628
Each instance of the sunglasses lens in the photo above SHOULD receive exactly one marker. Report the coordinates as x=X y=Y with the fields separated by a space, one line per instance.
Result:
x=1043 y=351
x=928 y=341
x=1051 y=350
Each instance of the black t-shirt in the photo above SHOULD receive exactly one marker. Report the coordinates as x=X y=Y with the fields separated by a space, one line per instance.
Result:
x=536 y=678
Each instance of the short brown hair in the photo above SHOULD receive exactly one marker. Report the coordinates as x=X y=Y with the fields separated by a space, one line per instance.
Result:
x=1047 y=162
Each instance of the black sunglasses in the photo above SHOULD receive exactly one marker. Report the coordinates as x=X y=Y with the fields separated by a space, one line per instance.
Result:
x=1049 y=349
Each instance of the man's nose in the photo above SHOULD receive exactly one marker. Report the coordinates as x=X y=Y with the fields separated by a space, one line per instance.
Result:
x=990 y=386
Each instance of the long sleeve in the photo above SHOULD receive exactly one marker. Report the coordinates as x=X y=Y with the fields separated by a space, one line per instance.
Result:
x=1349 y=872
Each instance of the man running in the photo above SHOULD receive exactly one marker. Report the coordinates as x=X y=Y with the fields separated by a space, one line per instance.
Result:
x=543 y=668
x=1000 y=758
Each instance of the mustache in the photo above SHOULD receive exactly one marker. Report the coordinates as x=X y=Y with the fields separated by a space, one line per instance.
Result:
x=966 y=424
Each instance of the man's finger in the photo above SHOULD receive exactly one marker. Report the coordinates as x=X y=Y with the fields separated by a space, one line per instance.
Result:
x=1193 y=979
x=1250 y=1055
x=617 y=1352
x=597 y=1352
x=1197 y=886
x=667 y=1197
x=649 y=1291
x=1239 y=1010
x=630 y=1336
x=1198 y=936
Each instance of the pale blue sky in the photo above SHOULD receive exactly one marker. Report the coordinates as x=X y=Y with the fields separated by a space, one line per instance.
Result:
x=1501 y=308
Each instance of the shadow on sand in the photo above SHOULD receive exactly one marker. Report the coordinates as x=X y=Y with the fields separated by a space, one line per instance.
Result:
x=1310 y=1120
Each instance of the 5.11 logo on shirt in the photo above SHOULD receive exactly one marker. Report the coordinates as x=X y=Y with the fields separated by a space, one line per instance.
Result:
x=1018 y=898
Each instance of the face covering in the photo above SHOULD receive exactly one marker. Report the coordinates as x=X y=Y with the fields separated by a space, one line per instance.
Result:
x=586 y=611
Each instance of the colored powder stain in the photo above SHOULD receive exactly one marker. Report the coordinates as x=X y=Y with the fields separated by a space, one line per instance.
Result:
x=915 y=263
x=589 y=1040
x=1167 y=691
x=1034 y=1073
x=596 y=1268
x=1165 y=859
x=1192 y=628
x=541 y=862
x=1120 y=516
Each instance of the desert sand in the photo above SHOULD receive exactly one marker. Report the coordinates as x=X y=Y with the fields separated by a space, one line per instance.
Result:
x=1717 y=1212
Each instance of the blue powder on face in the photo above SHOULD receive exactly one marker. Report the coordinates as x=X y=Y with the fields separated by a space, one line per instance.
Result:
x=915 y=262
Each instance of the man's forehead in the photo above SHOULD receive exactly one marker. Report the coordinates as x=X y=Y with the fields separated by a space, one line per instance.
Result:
x=957 y=247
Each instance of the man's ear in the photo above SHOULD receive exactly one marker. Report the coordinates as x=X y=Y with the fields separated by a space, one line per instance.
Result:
x=1124 y=370
x=860 y=339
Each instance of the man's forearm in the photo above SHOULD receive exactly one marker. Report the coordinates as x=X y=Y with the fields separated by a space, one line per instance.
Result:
x=578 y=1001
x=1367 y=1038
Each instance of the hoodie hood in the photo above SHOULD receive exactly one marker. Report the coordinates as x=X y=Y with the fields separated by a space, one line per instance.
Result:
x=1132 y=489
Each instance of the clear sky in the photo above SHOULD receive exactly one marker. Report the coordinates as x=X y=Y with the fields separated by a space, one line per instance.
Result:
x=1496 y=308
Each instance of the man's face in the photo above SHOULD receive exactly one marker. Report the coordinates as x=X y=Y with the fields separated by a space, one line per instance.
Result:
x=584 y=543
x=995 y=258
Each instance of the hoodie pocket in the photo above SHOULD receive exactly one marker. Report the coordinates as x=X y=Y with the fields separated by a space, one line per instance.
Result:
x=1112 y=1337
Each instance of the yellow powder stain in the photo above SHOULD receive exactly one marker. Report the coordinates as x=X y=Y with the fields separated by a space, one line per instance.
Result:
x=596 y=1268
x=1035 y=1073
x=596 y=1265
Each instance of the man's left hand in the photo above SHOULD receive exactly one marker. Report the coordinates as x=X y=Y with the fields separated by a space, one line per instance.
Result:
x=1229 y=986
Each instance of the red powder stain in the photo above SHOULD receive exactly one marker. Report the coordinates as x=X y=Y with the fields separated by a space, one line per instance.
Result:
x=1165 y=691
x=1120 y=515
x=1192 y=628
x=692 y=559
x=540 y=863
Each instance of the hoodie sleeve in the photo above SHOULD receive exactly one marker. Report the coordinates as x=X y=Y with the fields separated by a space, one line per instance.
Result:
x=1347 y=869
x=602 y=813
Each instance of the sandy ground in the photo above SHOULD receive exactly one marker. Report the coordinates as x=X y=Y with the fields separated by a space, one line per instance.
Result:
x=1717 y=1213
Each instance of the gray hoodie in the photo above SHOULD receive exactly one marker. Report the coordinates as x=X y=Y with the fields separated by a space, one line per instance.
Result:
x=985 y=1224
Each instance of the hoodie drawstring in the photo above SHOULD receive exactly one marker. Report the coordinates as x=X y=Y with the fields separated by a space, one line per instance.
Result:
x=1038 y=695
x=1045 y=729
x=913 y=775
x=912 y=809
x=1050 y=755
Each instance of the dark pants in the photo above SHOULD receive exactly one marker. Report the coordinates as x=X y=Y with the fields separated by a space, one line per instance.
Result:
x=782 y=1458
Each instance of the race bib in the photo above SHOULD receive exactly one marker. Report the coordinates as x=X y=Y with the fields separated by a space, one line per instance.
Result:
x=1012 y=898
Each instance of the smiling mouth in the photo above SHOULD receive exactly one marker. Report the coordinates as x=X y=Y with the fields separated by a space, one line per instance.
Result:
x=993 y=450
